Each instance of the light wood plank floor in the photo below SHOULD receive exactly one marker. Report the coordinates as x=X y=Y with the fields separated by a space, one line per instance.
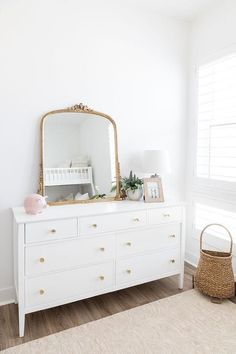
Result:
x=43 y=323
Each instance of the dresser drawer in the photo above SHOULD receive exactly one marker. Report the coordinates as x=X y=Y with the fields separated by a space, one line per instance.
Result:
x=138 y=269
x=138 y=241
x=51 y=230
x=112 y=222
x=165 y=215
x=45 y=290
x=68 y=254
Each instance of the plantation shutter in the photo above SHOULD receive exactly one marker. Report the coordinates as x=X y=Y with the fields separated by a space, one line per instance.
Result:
x=216 y=141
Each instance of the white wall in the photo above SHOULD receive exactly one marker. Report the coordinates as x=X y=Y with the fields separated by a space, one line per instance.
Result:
x=124 y=61
x=212 y=35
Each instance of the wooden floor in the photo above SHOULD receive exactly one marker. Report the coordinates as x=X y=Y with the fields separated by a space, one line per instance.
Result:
x=43 y=323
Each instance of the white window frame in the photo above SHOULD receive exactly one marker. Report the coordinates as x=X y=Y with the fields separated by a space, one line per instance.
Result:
x=211 y=192
x=218 y=189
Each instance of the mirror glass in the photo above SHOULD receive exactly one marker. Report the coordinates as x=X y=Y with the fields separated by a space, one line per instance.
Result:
x=79 y=157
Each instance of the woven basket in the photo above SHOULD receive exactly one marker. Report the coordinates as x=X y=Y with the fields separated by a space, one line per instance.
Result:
x=214 y=275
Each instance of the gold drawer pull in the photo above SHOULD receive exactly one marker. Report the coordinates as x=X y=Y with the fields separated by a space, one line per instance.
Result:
x=41 y=291
x=129 y=271
x=102 y=249
x=166 y=215
x=94 y=226
x=172 y=261
x=101 y=277
x=136 y=219
x=42 y=260
x=53 y=231
x=172 y=236
x=128 y=244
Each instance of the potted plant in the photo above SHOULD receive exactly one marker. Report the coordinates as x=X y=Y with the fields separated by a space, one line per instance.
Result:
x=133 y=186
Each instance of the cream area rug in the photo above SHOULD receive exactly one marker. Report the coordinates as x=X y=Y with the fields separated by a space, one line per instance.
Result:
x=186 y=323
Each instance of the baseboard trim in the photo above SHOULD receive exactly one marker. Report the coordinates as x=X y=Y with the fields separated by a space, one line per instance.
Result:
x=191 y=259
x=7 y=296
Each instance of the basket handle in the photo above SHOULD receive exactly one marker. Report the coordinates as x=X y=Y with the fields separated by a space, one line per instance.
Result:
x=231 y=238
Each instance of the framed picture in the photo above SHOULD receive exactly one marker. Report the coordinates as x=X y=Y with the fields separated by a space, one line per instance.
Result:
x=153 y=192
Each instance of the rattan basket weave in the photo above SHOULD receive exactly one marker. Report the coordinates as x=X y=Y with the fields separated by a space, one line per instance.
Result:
x=214 y=275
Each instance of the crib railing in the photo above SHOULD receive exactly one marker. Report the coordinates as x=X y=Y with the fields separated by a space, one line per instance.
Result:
x=59 y=176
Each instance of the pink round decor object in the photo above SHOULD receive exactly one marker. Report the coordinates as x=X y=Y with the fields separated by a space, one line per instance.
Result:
x=34 y=204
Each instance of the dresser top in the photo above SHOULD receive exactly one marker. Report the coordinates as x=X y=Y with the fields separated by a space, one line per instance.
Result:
x=90 y=209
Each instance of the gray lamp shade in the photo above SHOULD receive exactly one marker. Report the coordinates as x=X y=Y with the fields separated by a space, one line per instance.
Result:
x=156 y=161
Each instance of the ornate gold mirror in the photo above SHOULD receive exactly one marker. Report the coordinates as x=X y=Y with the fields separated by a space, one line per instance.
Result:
x=79 y=156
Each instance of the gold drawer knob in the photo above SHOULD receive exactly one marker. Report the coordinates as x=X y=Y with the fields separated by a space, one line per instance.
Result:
x=136 y=219
x=53 y=231
x=42 y=260
x=102 y=249
x=172 y=236
x=101 y=277
x=172 y=261
x=128 y=271
x=94 y=226
x=166 y=215
x=41 y=291
x=128 y=244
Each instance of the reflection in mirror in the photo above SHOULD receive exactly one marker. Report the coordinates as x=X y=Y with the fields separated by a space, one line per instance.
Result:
x=79 y=157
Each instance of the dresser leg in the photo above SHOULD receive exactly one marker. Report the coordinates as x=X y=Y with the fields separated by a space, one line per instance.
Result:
x=181 y=281
x=21 y=323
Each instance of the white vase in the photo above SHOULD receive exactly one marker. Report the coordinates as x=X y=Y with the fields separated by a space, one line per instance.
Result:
x=134 y=194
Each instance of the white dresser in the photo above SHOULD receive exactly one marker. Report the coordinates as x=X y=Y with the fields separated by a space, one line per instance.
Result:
x=73 y=252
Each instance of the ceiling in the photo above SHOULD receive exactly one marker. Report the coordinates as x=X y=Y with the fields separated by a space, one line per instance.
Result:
x=186 y=10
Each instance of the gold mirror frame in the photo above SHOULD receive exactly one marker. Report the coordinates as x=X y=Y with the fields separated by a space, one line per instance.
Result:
x=78 y=108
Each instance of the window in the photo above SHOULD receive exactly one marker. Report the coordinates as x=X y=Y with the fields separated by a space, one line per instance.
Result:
x=214 y=187
x=216 y=141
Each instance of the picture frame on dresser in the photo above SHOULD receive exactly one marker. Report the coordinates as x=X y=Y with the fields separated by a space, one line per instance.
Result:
x=153 y=191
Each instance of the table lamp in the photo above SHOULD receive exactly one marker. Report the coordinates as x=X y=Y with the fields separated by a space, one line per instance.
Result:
x=156 y=162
